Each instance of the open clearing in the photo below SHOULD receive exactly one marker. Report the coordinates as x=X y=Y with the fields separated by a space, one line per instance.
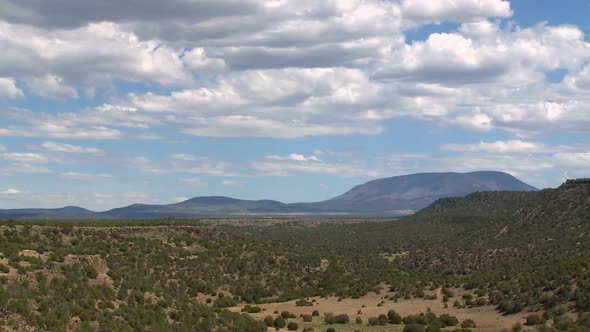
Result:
x=372 y=305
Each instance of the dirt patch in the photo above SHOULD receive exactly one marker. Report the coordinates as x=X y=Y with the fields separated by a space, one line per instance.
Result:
x=99 y=264
x=369 y=306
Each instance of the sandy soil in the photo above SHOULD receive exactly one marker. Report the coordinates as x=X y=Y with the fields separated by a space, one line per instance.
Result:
x=484 y=316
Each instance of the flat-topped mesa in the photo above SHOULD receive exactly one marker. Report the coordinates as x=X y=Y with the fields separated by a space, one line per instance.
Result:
x=577 y=182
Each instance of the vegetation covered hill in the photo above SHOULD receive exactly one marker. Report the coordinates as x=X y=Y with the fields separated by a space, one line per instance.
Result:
x=396 y=196
x=512 y=250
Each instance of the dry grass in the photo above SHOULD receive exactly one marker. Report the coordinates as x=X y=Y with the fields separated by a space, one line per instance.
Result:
x=486 y=317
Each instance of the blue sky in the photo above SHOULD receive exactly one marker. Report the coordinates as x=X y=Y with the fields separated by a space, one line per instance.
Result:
x=104 y=106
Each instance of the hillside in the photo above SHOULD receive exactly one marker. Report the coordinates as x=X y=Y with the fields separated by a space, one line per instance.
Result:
x=198 y=207
x=68 y=212
x=402 y=194
x=506 y=254
x=394 y=196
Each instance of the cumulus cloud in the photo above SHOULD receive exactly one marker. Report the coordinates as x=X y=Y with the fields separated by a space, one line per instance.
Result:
x=84 y=176
x=184 y=164
x=61 y=61
x=298 y=163
x=511 y=146
x=233 y=183
x=51 y=86
x=68 y=148
x=260 y=75
x=574 y=159
x=425 y=11
x=29 y=158
x=294 y=157
x=194 y=182
x=8 y=88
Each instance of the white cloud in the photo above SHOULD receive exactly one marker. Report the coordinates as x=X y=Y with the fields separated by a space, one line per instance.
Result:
x=297 y=163
x=84 y=176
x=574 y=160
x=187 y=164
x=33 y=158
x=295 y=157
x=511 y=146
x=68 y=148
x=194 y=182
x=59 y=61
x=10 y=191
x=233 y=183
x=260 y=75
x=51 y=86
x=8 y=88
x=425 y=11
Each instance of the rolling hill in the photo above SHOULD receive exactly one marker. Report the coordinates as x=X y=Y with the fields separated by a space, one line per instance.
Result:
x=397 y=195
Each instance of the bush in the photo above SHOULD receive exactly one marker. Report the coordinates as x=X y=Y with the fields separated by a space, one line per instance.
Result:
x=225 y=302
x=414 y=328
x=517 y=327
x=292 y=326
x=358 y=320
x=303 y=303
x=373 y=321
x=330 y=318
x=330 y=329
x=534 y=320
x=251 y=309
x=383 y=320
x=394 y=317
x=269 y=321
x=418 y=319
x=285 y=314
x=280 y=322
x=449 y=320
x=315 y=313
x=433 y=328
x=468 y=323
x=307 y=318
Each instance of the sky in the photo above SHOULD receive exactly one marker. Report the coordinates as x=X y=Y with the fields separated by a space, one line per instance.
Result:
x=109 y=103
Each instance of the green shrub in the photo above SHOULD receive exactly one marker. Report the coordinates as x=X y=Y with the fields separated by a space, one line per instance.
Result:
x=532 y=320
x=280 y=322
x=330 y=318
x=394 y=317
x=449 y=320
x=269 y=321
x=414 y=328
x=468 y=323
x=251 y=309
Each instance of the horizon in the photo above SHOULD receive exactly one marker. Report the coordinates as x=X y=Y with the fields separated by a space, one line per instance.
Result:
x=108 y=106
x=295 y=202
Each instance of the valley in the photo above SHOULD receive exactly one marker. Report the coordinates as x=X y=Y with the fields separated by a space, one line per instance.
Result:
x=500 y=259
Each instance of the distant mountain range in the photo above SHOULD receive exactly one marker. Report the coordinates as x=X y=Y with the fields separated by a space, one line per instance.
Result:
x=392 y=196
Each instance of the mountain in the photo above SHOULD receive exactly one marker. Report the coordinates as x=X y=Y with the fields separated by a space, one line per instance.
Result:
x=68 y=212
x=198 y=207
x=397 y=195
x=408 y=193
